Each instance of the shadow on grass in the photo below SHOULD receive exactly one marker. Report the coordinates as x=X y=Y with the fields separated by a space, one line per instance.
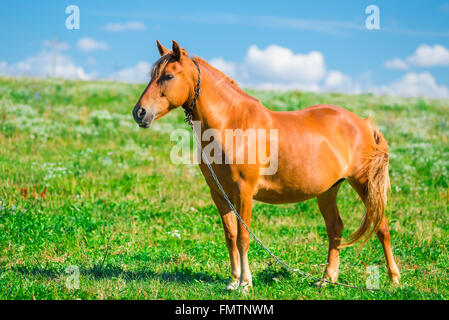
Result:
x=179 y=275
x=272 y=273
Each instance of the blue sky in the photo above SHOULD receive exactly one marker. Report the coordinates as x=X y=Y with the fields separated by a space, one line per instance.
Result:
x=309 y=45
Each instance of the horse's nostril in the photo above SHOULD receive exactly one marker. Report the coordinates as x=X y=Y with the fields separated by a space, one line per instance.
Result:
x=141 y=113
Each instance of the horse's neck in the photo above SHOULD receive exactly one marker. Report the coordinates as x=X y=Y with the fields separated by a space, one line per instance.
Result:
x=219 y=104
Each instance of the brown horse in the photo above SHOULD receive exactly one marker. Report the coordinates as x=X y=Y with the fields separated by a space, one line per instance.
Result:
x=318 y=148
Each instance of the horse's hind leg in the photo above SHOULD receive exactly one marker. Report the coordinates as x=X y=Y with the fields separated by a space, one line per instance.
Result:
x=383 y=234
x=327 y=203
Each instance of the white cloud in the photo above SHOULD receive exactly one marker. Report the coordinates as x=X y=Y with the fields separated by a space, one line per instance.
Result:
x=44 y=64
x=140 y=73
x=396 y=64
x=276 y=64
x=88 y=44
x=127 y=26
x=427 y=56
x=280 y=68
x=338 y=82
x=424 y=56
x=413 y=85
x=335 y=79
x=276 y=67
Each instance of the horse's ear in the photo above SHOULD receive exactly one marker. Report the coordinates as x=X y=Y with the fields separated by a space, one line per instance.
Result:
x=177 y=51
x=161 y=48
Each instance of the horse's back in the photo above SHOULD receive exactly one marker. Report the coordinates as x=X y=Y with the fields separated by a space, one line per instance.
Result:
x=319 y=112
x=323 y=120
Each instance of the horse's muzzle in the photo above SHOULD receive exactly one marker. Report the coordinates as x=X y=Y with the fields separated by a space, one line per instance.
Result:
x=142 y=117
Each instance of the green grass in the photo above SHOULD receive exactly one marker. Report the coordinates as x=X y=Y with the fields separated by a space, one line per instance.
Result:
x=114 y=199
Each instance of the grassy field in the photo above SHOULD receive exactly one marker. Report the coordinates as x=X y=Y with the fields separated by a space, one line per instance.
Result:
x=81 y=185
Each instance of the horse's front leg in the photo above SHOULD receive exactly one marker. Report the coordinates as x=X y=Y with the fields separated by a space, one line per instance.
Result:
x=230 y=229
x=243 y=202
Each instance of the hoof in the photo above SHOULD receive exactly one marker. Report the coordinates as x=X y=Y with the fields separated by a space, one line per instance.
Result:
x=321 y=284
x=325 y=280
x=245 y=287
x=394 y=277
x=395 y=280
x=233 y=285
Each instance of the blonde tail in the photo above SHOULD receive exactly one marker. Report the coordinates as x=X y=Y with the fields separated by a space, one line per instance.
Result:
x=374 y=172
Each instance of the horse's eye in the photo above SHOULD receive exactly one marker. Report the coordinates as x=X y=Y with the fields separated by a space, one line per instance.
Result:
x=168 y=77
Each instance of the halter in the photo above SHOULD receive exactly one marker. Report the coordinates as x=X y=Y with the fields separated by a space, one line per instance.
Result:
x=188 y=110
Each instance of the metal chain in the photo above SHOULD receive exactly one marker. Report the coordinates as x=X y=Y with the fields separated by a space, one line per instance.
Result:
x=189 y=113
